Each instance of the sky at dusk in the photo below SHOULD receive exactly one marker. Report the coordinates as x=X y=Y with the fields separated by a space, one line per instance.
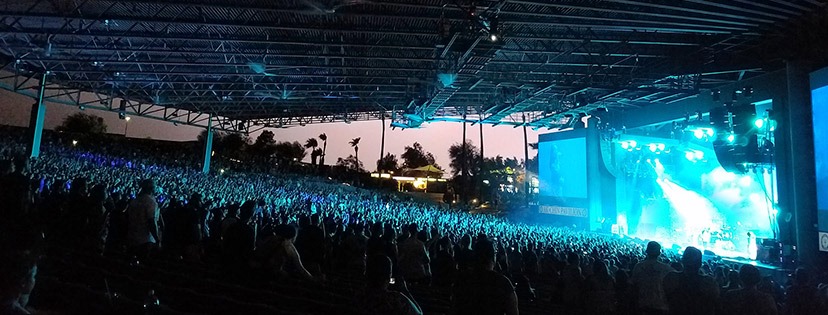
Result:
x=435 y=137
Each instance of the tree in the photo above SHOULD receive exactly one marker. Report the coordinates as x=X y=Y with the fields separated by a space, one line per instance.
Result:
x=414 y=156
x=315 y=154
x=289 y=152
x=83 y=123
x=265 y=145
x=350 y=163
x=532 y=163
x=388 y=163
x=311 y=143
x=355 y=144
x=324 y=139
x=234 y=144
x=460 y=159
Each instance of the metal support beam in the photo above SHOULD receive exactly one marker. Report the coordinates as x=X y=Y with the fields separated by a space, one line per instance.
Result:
x=37 y=119
x=208 y=146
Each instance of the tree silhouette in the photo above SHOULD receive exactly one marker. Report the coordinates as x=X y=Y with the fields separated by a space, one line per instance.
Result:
x=265 y=145
x=350 y=163
x=414 y=156
x=388 y=163
x=355 y=144
x=289 y=152
x=83 y=124
x=324 y=139
x=311 y=143
x=470 y=157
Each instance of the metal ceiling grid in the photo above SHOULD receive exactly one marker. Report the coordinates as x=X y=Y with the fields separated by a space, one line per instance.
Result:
x=280 y=63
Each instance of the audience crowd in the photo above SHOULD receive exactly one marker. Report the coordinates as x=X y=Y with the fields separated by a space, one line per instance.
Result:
x=261 y=230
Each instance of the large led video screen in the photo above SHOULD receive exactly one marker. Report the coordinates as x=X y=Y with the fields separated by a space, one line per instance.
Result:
x=819 y=101
x=562 y=168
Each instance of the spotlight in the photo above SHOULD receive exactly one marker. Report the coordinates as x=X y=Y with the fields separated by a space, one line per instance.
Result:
x=633 y=143
x=731 y=137
x=653 y=147
x=493 y=37
x=698 y=133
x=625 y=145
x=747 y=91
x=74 y=142
x=698 y=155
x=689 y=155
x=661 y=146
x=709 y=132
x=759 y=123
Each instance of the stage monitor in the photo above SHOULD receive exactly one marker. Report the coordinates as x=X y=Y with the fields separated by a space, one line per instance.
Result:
x=819 y=101
x=562 y=169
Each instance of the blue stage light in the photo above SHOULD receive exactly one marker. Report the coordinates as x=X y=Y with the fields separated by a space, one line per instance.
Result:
x=653 y=147
x=709 y=132
x=698 y=133
x=633 y=143
x=661 y=146
x=625 y=145
x=759 y=123
x=731 y=137
x=690 y=156
x=698 y=155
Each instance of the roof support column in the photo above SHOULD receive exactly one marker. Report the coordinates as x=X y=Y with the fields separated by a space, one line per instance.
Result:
x=36 y=120
x=802 y=186
x=208 y=146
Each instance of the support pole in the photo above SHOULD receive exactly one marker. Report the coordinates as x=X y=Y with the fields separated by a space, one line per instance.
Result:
x=208 y=146
x=525 y=163
x=463 y=166
x=36 y=120
x=482 y=159
x=382 y=147
x=802 y=185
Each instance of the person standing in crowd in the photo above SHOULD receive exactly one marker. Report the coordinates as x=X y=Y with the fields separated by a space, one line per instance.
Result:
x=143 y=218
x=310 y=244
x=16 y=191
x=377 y=298
x=690 y=292
x=414 y=260
x=748 y=300
x=803 y=297
x=481 y=290
x=647 y=278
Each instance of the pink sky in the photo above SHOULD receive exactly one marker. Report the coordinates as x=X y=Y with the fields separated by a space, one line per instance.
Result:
x=436 y=137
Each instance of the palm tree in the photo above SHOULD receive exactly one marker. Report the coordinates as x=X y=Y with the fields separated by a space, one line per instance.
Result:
x=324 y=139
x=311 y=143
x=355 y=143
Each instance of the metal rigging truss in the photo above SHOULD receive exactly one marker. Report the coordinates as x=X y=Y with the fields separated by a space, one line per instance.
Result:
x=294 y=62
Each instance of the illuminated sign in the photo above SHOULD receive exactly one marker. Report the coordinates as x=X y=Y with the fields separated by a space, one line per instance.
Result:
x=564 y=211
